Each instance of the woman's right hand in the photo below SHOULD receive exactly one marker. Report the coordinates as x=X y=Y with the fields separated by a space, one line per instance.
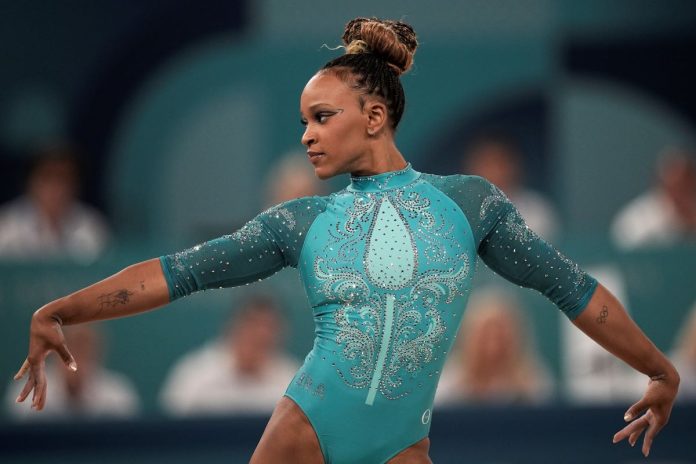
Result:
x=137 y=288
x=45 y=336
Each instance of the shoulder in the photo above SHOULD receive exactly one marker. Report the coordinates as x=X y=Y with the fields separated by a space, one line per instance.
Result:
x=463 y=186
x=647 y=203
x=18 y=208
x=210 y=353
x=646 y=220
x=284 y=365
x=114 y=394
x=292 y=215
x=113 y=382
x=457 y=181
x=301 y=205
x=85 y=212
x=649 y=208
x=88 y=218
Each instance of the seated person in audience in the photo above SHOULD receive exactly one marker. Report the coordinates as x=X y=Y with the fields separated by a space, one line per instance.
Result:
x=90 y=392
x=291 y=177
x=592 y=375
x=684 y=358
x=665 y=215
x=497 y=158
x=48 y=221
x=242 y=372
x=495 y=361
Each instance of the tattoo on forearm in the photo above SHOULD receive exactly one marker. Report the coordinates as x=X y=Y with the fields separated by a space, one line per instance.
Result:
x=603 y=315
x=111 y=300
x=142 y=285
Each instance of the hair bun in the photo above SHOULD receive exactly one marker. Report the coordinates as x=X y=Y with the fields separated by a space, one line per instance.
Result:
x=394 y=41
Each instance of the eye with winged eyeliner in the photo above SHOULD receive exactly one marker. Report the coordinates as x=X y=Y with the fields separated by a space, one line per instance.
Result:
x=322 y=116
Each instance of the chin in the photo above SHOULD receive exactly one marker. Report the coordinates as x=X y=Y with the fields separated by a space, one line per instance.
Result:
x=323 y=173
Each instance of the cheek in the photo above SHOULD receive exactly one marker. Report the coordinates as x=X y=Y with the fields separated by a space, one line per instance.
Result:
x=348 y=138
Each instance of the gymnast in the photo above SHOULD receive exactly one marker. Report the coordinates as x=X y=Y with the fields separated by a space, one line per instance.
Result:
x=387 y=265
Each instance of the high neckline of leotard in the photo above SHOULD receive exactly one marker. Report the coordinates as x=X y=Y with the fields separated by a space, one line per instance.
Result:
x=384 y=181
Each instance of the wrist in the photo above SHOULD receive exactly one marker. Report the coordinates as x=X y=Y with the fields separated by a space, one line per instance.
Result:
x=50 y=313
x=666 y=373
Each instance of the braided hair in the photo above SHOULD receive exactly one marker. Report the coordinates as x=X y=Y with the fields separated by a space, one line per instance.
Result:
x=377 y=53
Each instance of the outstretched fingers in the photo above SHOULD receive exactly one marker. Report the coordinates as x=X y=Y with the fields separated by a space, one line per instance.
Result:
x=633 y=438
x=35 y=366
x=648 y=423
x=657 y=419
x=67 y=357
x=28 y=387
x=22 y=370
x=637 y=409
x=39 y=397
x=632 y=431
x=36 y=382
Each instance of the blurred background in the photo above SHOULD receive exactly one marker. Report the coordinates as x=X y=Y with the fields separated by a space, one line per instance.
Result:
x=132 y=129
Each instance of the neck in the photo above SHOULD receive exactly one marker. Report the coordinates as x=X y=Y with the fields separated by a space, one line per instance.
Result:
x=382 y=157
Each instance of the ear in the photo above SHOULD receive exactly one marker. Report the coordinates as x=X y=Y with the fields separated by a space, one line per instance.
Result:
x=376 y=113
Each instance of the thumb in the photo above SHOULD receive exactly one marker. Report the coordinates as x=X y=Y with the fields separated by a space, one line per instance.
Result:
x=67 y=357
x=635 y=410
x=22 y=370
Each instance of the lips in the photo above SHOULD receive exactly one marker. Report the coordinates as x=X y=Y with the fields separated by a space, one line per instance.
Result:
x=314 y=155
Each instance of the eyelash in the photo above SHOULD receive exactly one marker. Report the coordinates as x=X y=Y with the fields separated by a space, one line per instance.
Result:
x=318 y=117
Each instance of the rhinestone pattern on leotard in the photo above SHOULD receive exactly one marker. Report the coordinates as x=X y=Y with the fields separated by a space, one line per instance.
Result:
x=354 y=278
x=373 y=254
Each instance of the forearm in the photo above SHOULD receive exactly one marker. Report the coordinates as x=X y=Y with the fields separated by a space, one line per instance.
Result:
x=133 y=290
x=606 y=322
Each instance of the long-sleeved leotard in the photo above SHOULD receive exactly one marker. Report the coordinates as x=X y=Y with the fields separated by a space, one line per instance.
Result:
x=387 y=265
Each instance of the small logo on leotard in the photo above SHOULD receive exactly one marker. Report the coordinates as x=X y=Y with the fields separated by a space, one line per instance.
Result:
x=305 y=382
x=425 y=418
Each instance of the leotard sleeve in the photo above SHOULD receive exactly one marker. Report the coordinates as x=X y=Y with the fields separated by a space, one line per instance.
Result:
x=513 y=250
x=263 y=246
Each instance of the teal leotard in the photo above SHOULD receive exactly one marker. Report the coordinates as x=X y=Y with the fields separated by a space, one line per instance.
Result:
x=387 y=265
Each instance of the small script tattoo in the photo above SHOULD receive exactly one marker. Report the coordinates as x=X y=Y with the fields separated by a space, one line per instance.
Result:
x=111 y=300
x=603 y=315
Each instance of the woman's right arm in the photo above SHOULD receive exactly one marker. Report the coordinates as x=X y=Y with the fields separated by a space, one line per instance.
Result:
x=263 y=246
x=133 y=290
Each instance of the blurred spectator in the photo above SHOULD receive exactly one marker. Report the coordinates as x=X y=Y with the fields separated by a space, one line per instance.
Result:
x=91 y=392
x=495 y=361
x=48 y=221
x=243 y=372
x=497 y=158
x=684 y=357
x=292 y=176
x=666 y=214
x=591 y=374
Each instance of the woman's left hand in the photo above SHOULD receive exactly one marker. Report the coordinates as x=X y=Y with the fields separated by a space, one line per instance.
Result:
x=657 y=404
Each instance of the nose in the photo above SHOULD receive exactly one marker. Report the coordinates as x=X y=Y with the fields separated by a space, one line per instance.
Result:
x=308 y=138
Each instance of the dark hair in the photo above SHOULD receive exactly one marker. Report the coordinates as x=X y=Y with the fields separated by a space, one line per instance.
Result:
x=49 y=155
x=377 y=53
x=497 y=137
x=254 y=303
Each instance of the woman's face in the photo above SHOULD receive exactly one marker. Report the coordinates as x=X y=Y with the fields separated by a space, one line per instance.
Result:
x=336 y=126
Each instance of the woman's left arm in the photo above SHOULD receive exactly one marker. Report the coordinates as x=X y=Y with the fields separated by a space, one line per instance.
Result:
x=606 y=322
x=511 y=249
